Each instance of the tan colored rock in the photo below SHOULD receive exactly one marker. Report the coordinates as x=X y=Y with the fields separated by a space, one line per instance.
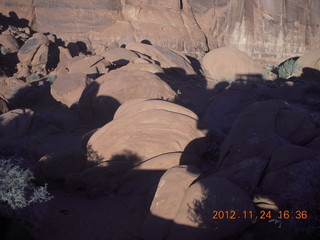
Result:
x=310 y=60
x=9 y=86
x=171 y=191
x=87 y=65
x=148 y=67
x=165 y=57
x=259 y=28
x=228 y=62
x=64 y=58
x=119 y=56
x=3 y=104
x=16 y=122
x=168 y=160
x=102 y=97
x=167 y=24
x=143 y=143
x=9 y=43
x=30 y=48
x=67 y=88
x=41 y=56
x=145 y=176
x=140 y=105
x=147 y=134
x=194 y=219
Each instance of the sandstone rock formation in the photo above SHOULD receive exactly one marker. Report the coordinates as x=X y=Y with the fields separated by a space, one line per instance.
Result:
x=142 y=138
x=34 y=51
x=103 y=96
x=16 y=122
x=8 y=44
x=95 y=114
x=310 y=60
x=229 y=63
x=3 y=104
x=225 y=107
x=258 y=28
x=67 y=88
x=131 y=128
x=165 y=205
x=194 y=217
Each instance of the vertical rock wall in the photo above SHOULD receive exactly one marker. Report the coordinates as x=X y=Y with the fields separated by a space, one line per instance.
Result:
x=268 y=30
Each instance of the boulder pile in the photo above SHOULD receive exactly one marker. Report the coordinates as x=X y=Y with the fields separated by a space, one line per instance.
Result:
x=238 y=158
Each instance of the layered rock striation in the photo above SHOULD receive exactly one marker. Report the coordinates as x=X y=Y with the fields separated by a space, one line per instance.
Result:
x=270 y=30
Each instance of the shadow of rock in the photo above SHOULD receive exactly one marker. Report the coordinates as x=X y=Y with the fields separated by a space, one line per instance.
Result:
x=13 y=20
x=97 y=110
x=32 y=96
x=13 y=230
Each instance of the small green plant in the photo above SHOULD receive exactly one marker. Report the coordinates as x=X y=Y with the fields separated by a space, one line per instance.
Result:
x=16 y=187
x=288 y=69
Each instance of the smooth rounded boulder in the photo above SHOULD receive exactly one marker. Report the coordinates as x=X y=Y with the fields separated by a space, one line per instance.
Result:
x=35 y=50
x=165 y=57
x=16 y=122
x=67 y=88
x=310 y=60
x=144 y=140
x=146 y=134
x=213 y=208
x=263 y=127
x=171 y=191
x=103 y=96
x=228 y=63
x=226 y=106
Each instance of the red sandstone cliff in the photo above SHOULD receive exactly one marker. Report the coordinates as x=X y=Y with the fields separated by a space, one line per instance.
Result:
x=271 y=30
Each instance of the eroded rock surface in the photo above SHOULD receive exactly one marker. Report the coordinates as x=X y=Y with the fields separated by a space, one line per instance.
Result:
x=258 y=28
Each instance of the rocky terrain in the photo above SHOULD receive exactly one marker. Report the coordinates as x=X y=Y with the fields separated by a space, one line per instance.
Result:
x=209 y=130
x=266 y=30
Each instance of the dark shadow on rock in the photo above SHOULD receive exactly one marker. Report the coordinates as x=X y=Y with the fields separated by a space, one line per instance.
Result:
x=145 y=41
x=292 y=58
x=53 y=56
x=310 y=74
x=210 y=148
x=196 y=65
x=96 y=110
x=13 y=230
x=13 y=20
x=32 y=95
x=104 y=176
x=78 y=47
x=8 y=64
x=119 y=63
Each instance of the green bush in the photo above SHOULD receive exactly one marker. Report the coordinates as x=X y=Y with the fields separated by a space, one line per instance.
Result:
x=288 y=69
x=16 y=187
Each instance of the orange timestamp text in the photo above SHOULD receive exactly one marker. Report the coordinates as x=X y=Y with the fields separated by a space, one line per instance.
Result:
x=262 y=214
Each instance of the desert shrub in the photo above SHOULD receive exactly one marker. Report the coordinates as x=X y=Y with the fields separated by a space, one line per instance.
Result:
x=288 y=69
x=16 y=188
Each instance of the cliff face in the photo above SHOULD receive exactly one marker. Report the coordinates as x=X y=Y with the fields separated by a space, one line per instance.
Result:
x=264 y=29
x=271 y=30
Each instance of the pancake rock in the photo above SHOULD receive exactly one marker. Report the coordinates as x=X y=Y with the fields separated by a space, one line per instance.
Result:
x=103 y=96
